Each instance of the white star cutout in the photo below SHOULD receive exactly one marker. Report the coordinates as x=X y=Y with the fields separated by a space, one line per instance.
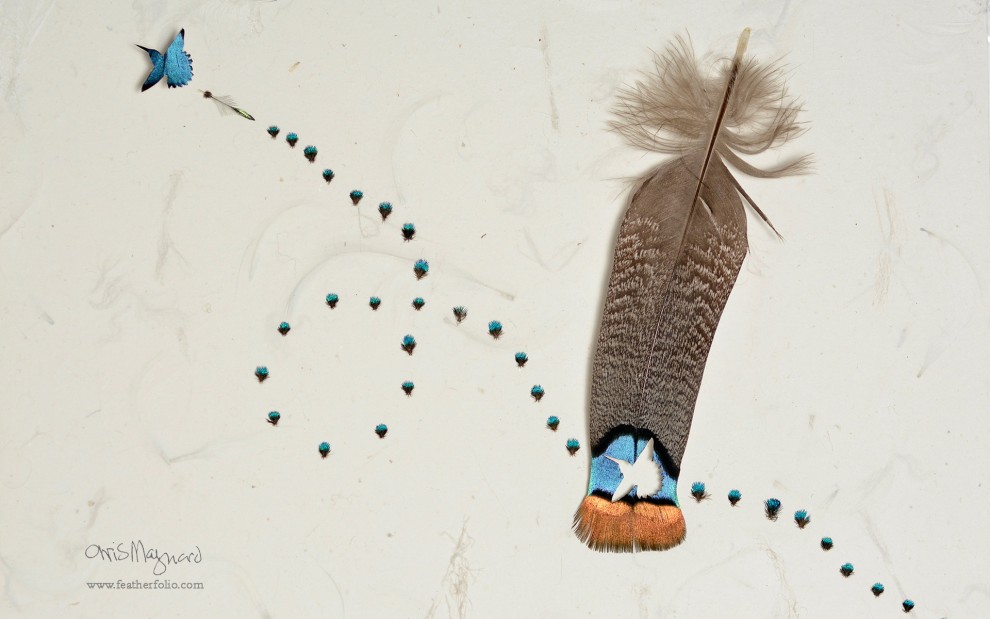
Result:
x=644 y=474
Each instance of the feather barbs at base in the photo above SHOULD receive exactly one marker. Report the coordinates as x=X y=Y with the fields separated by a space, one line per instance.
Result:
x=671 y=110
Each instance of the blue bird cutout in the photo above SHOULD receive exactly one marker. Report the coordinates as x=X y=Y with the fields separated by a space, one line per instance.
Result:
x=175 y=64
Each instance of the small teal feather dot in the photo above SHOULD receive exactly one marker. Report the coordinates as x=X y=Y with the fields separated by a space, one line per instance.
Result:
x=408 y=387
x=328 y=175
x=846 y=569
x=827 y=543
x=734 y=496
x=273 y=131
x=421 y=268
x=772 y=507
x=537 y=392
x=573 y=445
x=284 y=328
x=292 y=138
x=418 y=303
x=877 y=588
x=408 y=344
x=408 y=231
x=381 y=429
x=310 y=153
x=324 y=449
x=385 y=209
x=460 y=313
x=273 y=417
x=356 y=196
x=553 y=421
x=908 y=605
x=332 y=299
x=495 y=329
x=261 y=372
x=374 y=302
x=521 y=358
x=698 y=490
x=801 y=518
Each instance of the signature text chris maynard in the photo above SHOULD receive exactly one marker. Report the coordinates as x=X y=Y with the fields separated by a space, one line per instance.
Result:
x=137 y=553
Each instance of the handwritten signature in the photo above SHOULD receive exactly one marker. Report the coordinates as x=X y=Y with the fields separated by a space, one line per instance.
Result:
x=137 y=553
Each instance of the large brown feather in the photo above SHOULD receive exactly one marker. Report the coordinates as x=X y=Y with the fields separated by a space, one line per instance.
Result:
x=668 y=287
x=679 y=249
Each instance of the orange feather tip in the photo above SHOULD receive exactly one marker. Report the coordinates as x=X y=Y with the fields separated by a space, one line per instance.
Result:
x=628 y=526
x=658 y=527
x=604 y=525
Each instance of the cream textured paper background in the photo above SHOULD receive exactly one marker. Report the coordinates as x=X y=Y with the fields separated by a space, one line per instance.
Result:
x=149 y=248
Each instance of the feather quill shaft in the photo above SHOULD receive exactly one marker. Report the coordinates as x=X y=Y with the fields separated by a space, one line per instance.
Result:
x=733 y=72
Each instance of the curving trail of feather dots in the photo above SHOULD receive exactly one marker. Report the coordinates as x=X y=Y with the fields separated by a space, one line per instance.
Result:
x=686 y=230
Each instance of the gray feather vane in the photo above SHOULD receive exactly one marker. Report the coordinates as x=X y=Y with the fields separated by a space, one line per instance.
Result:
x=683 y=236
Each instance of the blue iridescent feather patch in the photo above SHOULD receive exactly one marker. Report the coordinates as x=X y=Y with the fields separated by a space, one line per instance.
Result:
x=175 y=65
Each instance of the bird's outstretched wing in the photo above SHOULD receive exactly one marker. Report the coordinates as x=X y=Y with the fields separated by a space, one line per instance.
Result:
x=178 y=64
